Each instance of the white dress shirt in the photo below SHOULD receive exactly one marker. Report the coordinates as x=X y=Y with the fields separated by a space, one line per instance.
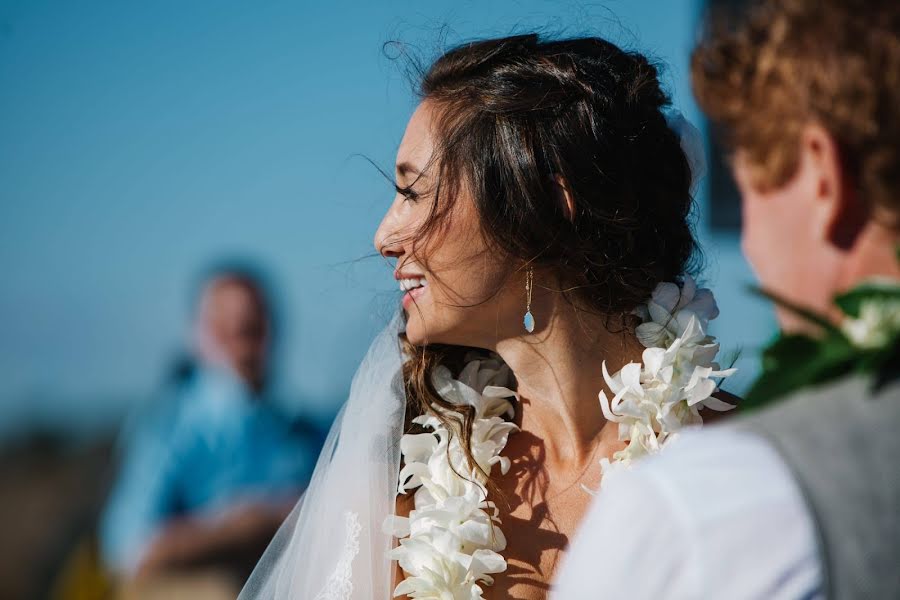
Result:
x=715 y=515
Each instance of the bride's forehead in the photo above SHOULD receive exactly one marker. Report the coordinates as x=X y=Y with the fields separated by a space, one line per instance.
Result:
x=417 y=145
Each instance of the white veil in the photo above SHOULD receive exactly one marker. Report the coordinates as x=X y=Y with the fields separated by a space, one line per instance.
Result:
x=332 y=546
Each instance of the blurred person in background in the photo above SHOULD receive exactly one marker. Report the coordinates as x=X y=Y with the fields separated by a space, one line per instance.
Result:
x=800 y=498
x=209 y=473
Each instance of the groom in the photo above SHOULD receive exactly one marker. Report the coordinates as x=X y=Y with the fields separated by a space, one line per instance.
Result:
x=799 y=498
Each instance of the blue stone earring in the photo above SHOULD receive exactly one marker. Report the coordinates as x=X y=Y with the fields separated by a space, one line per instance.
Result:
x=529 y=285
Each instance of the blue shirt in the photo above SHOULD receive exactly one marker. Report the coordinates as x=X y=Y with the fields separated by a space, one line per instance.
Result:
x=209 y=446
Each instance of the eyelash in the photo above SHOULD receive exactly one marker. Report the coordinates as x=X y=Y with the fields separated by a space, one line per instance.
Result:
x=407 y=192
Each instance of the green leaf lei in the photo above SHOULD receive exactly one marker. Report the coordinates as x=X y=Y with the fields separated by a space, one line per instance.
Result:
x=865 y=341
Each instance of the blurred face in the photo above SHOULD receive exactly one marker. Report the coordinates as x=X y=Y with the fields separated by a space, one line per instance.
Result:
x=235 y=329
x=785 y=233
x=449 y=275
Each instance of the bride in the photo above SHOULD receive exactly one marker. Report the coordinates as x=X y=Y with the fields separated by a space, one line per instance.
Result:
x=550 y=331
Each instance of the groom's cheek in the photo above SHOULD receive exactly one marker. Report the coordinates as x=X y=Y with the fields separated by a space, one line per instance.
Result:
x=753 y=223
x=769 y=229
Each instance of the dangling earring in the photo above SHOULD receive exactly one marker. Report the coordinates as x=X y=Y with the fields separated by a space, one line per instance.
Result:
x=529 y=285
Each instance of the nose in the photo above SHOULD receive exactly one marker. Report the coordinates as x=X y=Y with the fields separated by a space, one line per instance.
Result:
x=388 y=240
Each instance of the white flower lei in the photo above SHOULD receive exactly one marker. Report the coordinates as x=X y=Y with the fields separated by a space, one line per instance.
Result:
x=656 y=398
x=451 y=542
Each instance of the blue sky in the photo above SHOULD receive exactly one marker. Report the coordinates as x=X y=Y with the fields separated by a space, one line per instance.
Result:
x=141 y=141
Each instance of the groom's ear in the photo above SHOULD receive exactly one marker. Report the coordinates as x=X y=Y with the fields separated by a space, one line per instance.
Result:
x=840 y=211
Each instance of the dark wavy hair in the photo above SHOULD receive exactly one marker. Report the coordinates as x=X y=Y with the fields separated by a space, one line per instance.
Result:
x=518 y=116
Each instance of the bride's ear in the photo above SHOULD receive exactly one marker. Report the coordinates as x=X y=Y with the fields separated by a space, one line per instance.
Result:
x=563 y=193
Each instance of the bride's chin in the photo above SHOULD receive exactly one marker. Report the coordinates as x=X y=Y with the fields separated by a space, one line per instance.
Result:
x=415 y=330
x=424 y=327
x=419 y=333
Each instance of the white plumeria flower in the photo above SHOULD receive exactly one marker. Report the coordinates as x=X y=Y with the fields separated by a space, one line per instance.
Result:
x=451 y=540
x=456 y=578
x=656 y=398
x=668 y=312
x=878 y=321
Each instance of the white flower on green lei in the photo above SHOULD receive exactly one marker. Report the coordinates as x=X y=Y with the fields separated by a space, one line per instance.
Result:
x=878 y=321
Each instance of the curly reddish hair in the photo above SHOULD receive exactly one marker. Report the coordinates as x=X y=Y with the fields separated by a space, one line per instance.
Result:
x=782 y=64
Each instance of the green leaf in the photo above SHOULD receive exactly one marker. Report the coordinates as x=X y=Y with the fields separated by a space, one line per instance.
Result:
x=850 y=302
x=796 y=361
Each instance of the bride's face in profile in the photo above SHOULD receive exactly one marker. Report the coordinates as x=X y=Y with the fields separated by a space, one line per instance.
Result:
x=457 y=288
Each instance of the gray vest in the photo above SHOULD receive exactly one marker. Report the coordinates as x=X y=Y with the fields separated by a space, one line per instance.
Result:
x=842 y=443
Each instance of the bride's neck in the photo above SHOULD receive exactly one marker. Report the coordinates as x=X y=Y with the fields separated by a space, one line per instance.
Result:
x=558 y=369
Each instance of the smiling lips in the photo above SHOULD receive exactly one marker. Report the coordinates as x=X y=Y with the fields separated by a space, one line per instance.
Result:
x=413 y=286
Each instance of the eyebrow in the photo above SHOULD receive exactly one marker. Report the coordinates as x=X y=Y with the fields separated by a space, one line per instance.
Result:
x=406 y=168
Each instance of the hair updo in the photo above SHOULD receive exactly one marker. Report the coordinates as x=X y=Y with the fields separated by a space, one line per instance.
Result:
x=517 y=115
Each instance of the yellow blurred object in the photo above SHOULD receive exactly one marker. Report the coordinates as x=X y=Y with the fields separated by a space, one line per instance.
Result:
x=82 y=576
